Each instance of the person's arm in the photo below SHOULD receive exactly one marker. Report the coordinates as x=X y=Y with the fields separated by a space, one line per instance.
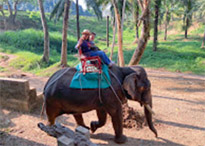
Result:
x=79 y=43
x=93 y=46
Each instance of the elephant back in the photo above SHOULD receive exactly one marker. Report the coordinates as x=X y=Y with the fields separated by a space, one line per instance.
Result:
x=58 y=77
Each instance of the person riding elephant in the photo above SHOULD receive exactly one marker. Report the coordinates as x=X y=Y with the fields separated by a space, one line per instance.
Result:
x=126 y=83
x=85 y=46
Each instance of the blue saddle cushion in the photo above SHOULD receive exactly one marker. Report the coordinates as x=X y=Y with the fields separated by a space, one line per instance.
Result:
x=90 y=80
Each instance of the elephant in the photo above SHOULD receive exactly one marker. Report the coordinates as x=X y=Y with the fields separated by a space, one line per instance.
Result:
x=127 y=83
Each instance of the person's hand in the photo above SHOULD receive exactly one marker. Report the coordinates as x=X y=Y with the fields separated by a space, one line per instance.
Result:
x=79 y=43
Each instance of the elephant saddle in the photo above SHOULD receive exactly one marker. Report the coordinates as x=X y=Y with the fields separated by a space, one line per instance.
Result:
x=90 y=80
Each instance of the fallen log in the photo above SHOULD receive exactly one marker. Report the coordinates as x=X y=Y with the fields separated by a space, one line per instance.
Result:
x=58 y=131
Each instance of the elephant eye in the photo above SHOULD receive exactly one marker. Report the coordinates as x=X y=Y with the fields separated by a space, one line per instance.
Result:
x=141 y=89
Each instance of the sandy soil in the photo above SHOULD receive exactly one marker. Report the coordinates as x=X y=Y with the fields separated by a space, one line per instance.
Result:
x=178 y=101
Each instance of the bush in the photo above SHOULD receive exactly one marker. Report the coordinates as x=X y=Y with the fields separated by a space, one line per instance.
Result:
x=32 y=40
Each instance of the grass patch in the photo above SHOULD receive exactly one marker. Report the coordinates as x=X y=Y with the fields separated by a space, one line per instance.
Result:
x=2 y=69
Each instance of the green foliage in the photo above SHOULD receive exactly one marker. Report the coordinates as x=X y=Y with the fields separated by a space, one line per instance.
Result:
x=32 y=40
x=175 y=54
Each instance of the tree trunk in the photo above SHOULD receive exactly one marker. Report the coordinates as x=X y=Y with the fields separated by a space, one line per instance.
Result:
x=144 y=33
x=188 y=17
x=119 y=32
x=107 y=31
x=136 y=22
x=15 y=11
x=77 y=17
x=186 y=27
x=157 y=2
x=46 y=34
x=123 y=15
x=114 y=27
x=166 y=21
x=165 y=31
x=10 y=9
x=64 y=39
x=202 y=45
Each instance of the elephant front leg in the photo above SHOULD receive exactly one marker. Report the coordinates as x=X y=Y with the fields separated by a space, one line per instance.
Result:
x=116 y=116
x=102 y=116
x=79 y=120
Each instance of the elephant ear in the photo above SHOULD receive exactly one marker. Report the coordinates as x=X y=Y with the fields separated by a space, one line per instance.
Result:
x=129 y=84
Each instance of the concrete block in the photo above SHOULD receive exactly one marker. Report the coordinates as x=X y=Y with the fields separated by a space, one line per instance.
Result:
x=11 y=88
x=83 y=131
x=16 y=94
x=65 y=141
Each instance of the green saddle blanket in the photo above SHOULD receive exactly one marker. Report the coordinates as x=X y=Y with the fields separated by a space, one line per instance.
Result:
x=90 y=80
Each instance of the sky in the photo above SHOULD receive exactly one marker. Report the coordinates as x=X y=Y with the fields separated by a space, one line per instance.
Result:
x=82 y=3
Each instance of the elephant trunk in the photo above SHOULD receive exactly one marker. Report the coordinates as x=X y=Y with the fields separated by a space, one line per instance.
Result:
x=148 y=111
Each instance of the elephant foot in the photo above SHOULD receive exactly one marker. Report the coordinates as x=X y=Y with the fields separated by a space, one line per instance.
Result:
x=49 y=124
x=121 y=139
x=93 y=126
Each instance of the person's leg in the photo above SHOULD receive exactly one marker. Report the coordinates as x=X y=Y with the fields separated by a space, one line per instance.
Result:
x=102 y=55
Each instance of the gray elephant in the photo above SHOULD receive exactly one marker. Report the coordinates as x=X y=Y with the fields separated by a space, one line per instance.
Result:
x=127 y=82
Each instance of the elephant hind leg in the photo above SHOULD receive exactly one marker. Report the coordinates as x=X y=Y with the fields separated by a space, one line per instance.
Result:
x=102 y=116
x=52 y=113
x=79 y=120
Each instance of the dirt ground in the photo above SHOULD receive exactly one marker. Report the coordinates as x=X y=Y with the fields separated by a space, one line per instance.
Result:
x=178 y=101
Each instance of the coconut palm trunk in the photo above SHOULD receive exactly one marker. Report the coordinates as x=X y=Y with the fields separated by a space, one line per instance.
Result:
x=144 y=32
x=77 y=20
x=155 y=41
x=45 y=57
x=119 y=32
x=64 y=37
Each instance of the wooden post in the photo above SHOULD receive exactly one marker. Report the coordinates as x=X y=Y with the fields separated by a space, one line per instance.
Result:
x=107 y=31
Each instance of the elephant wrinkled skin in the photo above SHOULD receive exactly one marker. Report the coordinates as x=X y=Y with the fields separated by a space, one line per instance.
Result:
x=132 y=83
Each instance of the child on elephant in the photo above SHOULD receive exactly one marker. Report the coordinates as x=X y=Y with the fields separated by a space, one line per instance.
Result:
x=86 y=46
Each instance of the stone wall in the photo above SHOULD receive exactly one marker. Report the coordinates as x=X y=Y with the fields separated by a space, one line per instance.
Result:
x=17 y=94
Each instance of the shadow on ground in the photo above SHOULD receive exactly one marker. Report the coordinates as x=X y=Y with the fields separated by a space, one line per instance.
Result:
x=134 y=141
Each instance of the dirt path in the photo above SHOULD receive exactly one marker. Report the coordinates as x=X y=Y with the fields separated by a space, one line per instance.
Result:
x=179 y=104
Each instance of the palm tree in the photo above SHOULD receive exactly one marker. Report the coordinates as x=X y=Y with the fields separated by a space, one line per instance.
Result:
x=157 y=8
x=145 y=16
x=167 y=5
x=95 y=5
x=64 y=37
x=119 y=32
x=77 y=20
x=57 y=12
x=46 y=34
x=188 y=11
x=200 y=5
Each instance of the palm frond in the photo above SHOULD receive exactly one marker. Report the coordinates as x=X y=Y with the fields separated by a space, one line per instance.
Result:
x=96 y=7
x=58 y=10
x=55 y=9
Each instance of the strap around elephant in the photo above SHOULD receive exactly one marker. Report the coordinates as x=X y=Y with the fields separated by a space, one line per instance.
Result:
x=112 y=89
x=117 y=81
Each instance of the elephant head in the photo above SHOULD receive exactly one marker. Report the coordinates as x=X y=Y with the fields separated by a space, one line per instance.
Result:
x=138 y=88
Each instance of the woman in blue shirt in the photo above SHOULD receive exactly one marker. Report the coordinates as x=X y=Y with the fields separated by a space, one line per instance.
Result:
x=84 y=44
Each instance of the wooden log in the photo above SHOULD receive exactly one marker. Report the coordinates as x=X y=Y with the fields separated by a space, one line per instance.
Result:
x=58 y=130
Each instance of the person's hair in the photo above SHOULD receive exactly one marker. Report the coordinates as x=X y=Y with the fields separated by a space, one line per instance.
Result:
x=93 y=33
